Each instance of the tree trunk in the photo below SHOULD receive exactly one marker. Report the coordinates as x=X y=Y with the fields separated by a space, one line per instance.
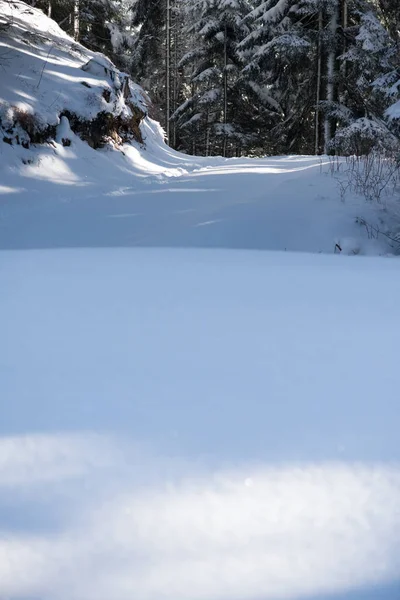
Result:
x=175 y=70
x=343 y=70
x=168 y=70
x=330 y=69
x=76 y=20
x=207 y=136
x=225 y=87
x=318 y=95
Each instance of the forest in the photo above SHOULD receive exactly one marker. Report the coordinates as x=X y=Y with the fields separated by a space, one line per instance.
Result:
x=254 y=77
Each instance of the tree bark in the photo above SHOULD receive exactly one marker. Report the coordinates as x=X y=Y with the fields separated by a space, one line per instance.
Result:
x=318 y=95
x=76 y=19
x=330 y=70
x=168 y=70
x=225 y=87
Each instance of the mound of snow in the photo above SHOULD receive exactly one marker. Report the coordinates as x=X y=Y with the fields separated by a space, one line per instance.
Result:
x=46 y=74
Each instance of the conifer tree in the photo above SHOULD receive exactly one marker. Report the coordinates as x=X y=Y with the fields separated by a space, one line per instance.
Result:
x=210 y=112
x=101 y=25
x=149 y=47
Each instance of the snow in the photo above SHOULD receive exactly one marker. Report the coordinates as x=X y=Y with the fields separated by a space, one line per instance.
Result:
x=183 y=414
x=393 y=112
x=198 y=424
x=44 y=72
x=265 y=13
x=297 y=210
x=198 y=396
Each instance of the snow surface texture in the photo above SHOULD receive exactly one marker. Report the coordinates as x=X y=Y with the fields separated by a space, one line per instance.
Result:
x=181 y=417
x=191 y=424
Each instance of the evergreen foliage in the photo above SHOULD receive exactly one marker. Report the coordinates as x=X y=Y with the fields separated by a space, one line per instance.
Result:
x=255 y=76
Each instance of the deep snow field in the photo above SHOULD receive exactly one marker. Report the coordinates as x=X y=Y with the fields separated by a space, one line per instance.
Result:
x=185 y=415
x=199 y=399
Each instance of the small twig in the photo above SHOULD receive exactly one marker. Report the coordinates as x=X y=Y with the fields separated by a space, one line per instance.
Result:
x=54 y=101
x=44 y=66
x=371 y=228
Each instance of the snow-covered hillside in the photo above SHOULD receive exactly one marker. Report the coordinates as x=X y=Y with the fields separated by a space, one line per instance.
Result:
x=198 y=391
x=45 y=75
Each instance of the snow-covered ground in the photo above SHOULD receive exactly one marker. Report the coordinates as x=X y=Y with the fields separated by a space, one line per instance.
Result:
x=198 y=398
x=182 y=416
x=198 y=424
x=156 y=197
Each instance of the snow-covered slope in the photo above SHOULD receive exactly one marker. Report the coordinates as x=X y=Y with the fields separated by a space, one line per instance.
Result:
x=183 y=417
x=45 y=74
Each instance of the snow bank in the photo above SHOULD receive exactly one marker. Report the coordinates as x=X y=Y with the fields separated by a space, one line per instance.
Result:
x=45 y=74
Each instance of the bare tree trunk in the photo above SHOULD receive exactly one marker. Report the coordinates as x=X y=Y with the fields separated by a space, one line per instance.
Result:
x=76 y=19
x=345 y=19
x=175 y=70
x=168 y=69
x=330 y=86
x=49 y=10
x=207 y=136
x=318 y=96
x=225 y=87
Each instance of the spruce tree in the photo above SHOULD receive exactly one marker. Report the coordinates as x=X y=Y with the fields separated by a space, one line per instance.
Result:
x=281 y=56
x=359 y=104
x=210 y=113
x=149 y=47
x=101 y=25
